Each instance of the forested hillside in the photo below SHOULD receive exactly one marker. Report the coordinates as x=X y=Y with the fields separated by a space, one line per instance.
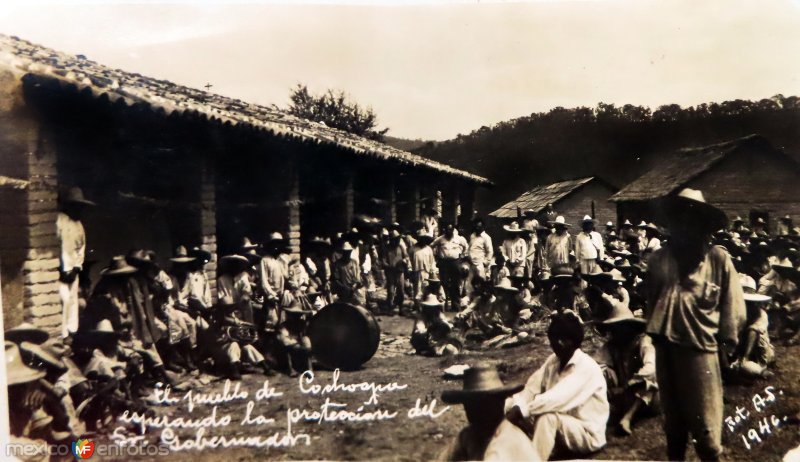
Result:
x=615 y=143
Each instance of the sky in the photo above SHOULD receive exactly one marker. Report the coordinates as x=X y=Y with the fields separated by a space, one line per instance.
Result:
x=435 y=69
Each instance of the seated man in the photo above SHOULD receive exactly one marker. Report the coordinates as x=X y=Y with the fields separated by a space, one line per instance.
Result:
x=482 y=396
x=628 y=360
x=565 y=401
x=755 y=352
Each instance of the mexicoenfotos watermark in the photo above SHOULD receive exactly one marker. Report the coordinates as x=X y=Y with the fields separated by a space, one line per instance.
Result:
x=84 y=449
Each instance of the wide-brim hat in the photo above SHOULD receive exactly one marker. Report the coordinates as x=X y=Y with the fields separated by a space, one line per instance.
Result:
x=621 y=314
x=756 y=298
x=783 y=267
x=346 y=246
x=140 y=259
x=423 y=239
x=505 y=286
x=597 y=278
x=181 y=255
x=606 y=264
x=247 y=244
x=105 y=330
x=118 y=265
x=690 y=204
x=513 y=227
x=395 y=234
x=26 y=332
x=275 y=240
x=321 y=242
x=431 y=301
x=234 y=261
x=201 y=254
x=17 y=371
x=296 y=308
x=737 y=219
x=44 y=353
x=480 y=382
x=559 y=221
x=562 y=271
x=652 y=227
x=75 y=195
x=588 y=219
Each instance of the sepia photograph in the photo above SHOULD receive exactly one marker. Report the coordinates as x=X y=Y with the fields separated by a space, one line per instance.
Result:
x=381 y=230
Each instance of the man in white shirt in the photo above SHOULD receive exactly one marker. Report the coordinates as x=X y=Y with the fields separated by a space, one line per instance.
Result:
x=481 y=252
x=588 y=247
x=449 y=249
x=72 y=238
x=565 y=401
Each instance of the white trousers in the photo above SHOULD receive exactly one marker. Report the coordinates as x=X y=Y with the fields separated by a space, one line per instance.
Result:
x=69 y=307
x=511 y=443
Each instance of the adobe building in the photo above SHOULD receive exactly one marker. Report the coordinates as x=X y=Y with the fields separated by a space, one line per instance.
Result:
x=747 y=177
x=573 y=199
x=170 y=165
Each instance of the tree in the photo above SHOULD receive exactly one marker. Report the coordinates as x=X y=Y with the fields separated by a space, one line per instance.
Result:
x=334 y=109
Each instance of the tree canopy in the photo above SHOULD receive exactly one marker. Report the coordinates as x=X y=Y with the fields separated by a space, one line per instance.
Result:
x=335 y=109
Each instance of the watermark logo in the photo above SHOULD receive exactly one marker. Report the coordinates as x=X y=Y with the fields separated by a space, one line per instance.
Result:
x=83 y=449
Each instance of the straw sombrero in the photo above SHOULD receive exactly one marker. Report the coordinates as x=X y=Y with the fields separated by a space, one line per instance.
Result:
x=480 y=382
x=26 y=332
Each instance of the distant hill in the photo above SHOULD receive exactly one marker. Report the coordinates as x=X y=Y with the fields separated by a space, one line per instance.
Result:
x=616 y=143
x=403 y=143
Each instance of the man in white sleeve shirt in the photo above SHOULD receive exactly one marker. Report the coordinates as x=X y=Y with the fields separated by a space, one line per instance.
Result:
x=565 y=401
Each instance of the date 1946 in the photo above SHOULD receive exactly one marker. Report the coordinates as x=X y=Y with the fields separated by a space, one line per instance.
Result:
x=765 y=425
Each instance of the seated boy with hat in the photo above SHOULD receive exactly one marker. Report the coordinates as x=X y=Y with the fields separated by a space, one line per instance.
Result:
x=755 y=353
x=483 y=396
x=296 y=344
x=628 y=361
x=430 y=335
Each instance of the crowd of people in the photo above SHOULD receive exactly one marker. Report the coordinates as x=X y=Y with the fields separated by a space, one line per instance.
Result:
x=678 y=310
x=691 y=297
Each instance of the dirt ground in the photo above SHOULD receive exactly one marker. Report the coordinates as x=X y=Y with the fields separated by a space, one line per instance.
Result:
x=423 y=438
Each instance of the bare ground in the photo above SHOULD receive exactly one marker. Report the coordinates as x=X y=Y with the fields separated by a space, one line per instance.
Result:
x=402 y=438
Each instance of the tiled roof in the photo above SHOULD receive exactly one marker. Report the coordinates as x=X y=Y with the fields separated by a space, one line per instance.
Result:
x=28 y=58
x=683 y=166
x=538 y=197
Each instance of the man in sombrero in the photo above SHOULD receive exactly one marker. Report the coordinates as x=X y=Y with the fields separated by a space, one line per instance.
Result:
x=694 y=307
x=483 y=395
x=272 y=275
x=589 y=246
x=558 y=244
x=628 y=361
x=423 y=264
x=514 y=249
x=72 y=241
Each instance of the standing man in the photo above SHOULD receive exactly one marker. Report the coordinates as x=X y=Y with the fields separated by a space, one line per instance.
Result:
x=481 y=253
x=589 y=247
x=72 y=239
x=449 y=248
x=695 y=303
x=558 y=244
x=514 y=249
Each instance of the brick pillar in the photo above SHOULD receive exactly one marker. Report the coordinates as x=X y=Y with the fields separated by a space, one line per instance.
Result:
x=349 y=200
x=391 y=198
x=293 y=206
x=415 y=196
x=208 y=221
x=29 y=247
x=437 y=202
